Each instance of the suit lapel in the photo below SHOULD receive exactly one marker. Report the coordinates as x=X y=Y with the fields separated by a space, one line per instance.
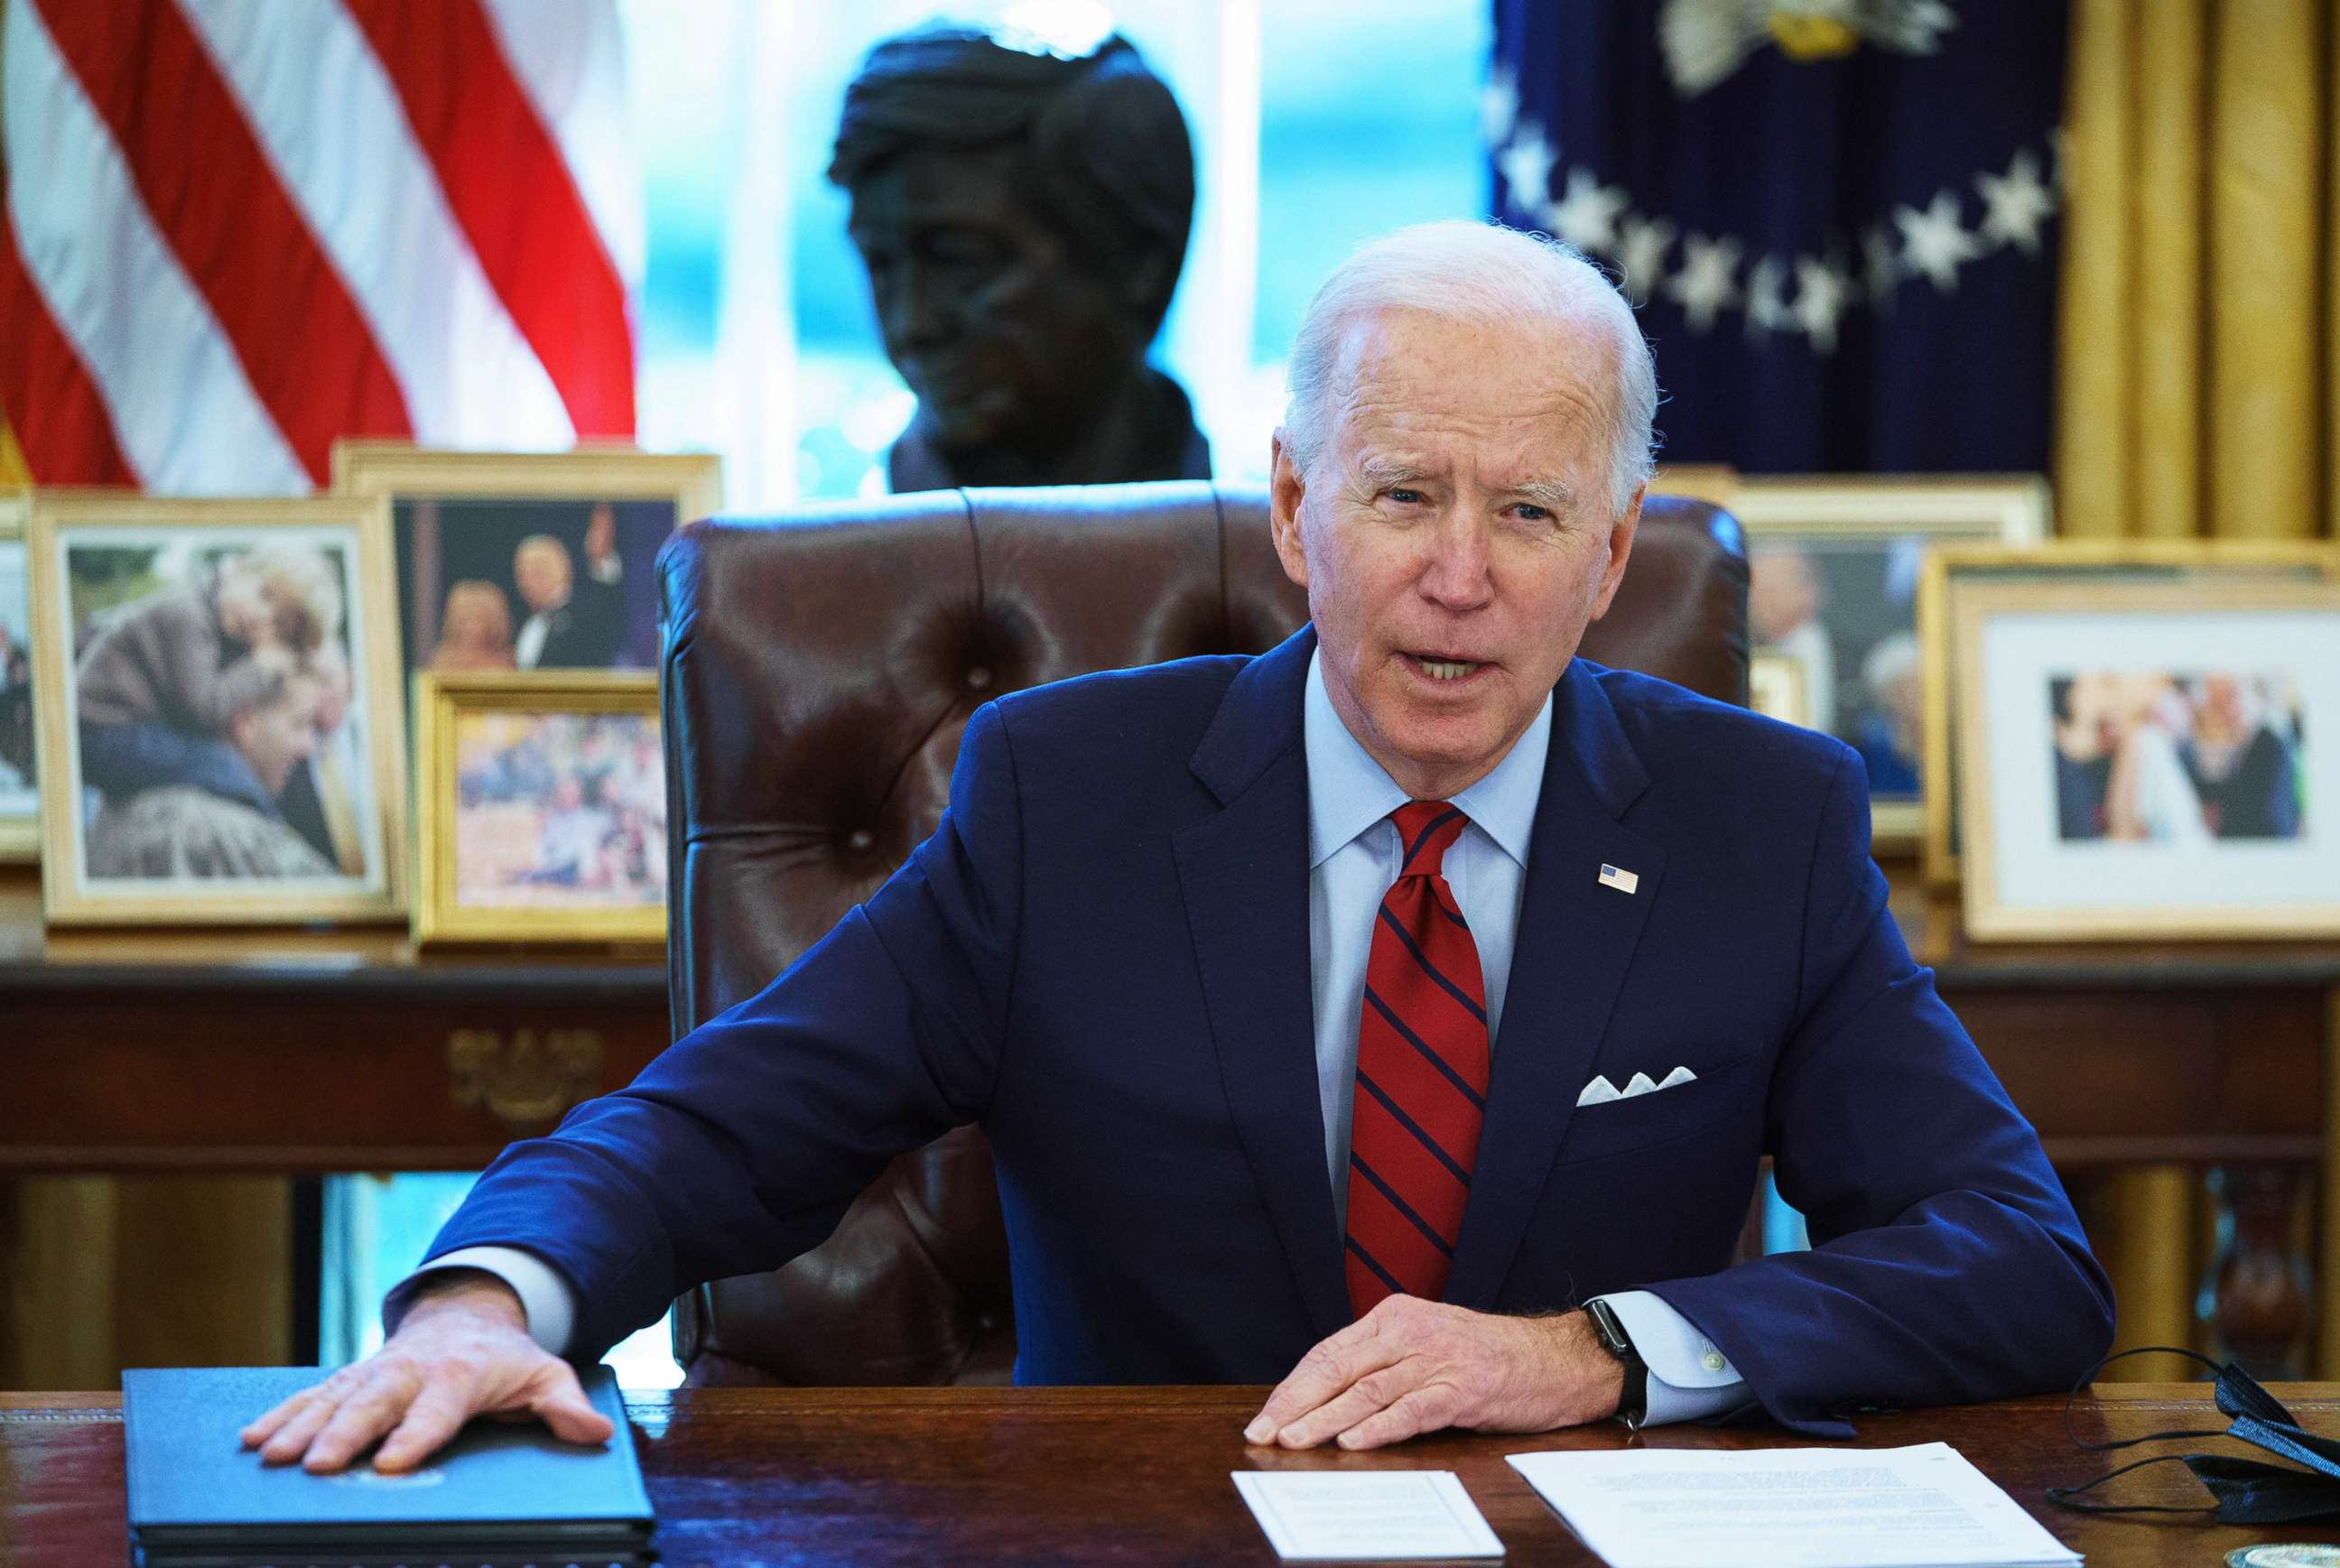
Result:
x=1243 y=871
x=1576 y=938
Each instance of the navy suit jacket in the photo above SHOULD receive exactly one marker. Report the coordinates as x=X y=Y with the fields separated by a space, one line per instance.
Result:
x=1102 y=956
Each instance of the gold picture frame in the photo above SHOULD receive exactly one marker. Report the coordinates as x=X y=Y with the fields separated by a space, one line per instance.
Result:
x=1836 y=515
x=2122 y=836
x=477 y=558
x=20 y=830
x=1715 y=482
x=2204 y=562
x=442 y=704
x=351 y=534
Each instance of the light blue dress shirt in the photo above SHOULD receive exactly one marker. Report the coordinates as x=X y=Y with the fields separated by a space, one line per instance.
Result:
x=1353 y=859
x=1353 y=856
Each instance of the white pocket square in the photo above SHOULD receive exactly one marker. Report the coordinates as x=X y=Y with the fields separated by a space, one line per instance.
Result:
x=1601 y=1091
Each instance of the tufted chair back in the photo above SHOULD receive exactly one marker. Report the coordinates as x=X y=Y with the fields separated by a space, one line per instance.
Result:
x=820 y=667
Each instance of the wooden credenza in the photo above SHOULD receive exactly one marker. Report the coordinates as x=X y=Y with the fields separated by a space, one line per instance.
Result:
x=2184 y=1091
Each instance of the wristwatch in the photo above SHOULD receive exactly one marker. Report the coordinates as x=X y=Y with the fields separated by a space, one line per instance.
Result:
x=1633 y=1403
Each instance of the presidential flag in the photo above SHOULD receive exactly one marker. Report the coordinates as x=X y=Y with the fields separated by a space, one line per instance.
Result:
x=1836 y=217
x=235 y=230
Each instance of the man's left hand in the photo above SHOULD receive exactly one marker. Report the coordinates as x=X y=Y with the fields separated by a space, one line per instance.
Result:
x=1411 y=1366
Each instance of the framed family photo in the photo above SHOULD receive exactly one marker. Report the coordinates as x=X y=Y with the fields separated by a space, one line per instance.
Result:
x=542 y=808
x=1834 y=564
x=2149 y=759
x=215 y=689
x=2206 y=563
x=20 y=797
x=530 y=561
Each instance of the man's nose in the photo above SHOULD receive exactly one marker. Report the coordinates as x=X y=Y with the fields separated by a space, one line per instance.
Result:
x=1457 y=573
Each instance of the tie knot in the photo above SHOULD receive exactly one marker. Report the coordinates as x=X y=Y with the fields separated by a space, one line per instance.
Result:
x=1425 y=830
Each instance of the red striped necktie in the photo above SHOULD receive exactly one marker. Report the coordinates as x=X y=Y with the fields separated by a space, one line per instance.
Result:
x=1422 y=1073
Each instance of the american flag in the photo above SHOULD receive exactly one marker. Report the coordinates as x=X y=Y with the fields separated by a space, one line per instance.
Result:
x=235 y=230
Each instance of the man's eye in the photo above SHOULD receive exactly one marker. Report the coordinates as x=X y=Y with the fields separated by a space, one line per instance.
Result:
x=1532 y=513
x=1403 y=496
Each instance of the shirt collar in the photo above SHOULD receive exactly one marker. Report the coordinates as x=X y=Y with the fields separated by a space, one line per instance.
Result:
x=1349 y=792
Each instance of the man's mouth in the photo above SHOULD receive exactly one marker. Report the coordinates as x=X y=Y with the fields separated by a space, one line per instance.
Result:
x=1445 y=666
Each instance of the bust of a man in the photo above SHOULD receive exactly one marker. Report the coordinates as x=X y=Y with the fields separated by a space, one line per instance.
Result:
x=1022 y=213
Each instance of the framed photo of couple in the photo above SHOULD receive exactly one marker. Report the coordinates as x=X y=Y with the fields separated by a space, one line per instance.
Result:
x=518 y=562
x=2143 y=758
x=214 y=693
x=541 y=811
x=1834 y=569
x=1948 y=570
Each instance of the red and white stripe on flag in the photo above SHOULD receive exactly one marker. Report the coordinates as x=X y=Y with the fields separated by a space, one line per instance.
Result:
x=236 y=230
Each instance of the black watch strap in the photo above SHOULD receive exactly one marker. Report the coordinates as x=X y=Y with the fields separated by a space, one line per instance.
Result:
x=1632 y=1402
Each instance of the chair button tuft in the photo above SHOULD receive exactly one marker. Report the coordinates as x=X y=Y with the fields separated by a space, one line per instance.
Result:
x=860 y=838
x=979 y=678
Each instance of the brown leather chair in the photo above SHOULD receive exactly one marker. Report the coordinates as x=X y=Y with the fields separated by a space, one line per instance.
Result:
x=820 y=666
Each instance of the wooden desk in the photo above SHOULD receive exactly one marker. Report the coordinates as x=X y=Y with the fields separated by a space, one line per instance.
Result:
x=1130 y=1476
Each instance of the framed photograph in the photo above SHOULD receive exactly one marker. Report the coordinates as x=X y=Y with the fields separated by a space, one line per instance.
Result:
x=542 y=808
x=2195 y=562
x=544 y=562
x=20 y=796
x=1778 y=688
x=215 y=684
x=1833 y=574
x=2149 y=759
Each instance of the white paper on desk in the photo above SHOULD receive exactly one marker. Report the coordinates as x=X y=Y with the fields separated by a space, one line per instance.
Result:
x=1343 y=1514
x=1920 y=1507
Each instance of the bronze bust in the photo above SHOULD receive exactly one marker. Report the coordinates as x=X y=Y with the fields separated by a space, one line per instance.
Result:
x=1023 y=216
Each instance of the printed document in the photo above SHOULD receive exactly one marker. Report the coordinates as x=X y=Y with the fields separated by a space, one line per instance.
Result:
x=1345 y=1514
x=1921 y=1507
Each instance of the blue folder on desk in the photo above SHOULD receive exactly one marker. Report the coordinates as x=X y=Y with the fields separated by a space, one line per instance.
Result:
x=500 y=1493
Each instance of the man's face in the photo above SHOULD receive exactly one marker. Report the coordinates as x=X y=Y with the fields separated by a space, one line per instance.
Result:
x=542 y=577
x=1006 y=337
x=1454 y=536
x=1783 y=592
x=278 y=736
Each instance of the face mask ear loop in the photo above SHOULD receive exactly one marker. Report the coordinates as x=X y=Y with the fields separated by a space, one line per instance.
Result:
x=2089 y=1376
x=2068 y=1496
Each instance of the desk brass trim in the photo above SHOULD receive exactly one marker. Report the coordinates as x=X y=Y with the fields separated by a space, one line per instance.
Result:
x=527 y=1079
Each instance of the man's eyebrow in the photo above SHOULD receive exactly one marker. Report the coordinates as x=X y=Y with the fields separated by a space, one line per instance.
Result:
x=1390 y=471
x=1551 y=494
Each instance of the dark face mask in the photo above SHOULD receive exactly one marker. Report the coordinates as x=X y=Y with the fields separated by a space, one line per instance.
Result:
x=2248 y=1491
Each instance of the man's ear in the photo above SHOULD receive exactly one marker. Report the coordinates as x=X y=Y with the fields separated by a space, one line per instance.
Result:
x=1620 y=547
x=1285 y=489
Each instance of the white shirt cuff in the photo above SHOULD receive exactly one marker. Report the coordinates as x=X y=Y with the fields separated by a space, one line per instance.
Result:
x=1689 y=1378
x=612 y=569
x=545 y=1297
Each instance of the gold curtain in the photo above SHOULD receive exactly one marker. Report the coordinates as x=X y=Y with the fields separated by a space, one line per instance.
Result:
x=2200 y=301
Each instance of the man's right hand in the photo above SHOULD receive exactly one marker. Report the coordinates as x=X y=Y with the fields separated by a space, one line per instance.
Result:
x=462 y=1350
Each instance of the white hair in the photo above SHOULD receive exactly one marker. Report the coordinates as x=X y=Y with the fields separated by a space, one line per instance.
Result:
x=1485 y=275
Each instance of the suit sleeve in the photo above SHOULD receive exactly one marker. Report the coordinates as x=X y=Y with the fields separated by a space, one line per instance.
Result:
x=744 y=1143
x=1947 y=1264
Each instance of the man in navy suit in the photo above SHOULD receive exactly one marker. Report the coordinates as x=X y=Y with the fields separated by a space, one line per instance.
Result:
x=1402 y=1014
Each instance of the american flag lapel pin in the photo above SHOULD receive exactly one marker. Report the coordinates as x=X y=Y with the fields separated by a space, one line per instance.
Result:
x=1623 y=880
